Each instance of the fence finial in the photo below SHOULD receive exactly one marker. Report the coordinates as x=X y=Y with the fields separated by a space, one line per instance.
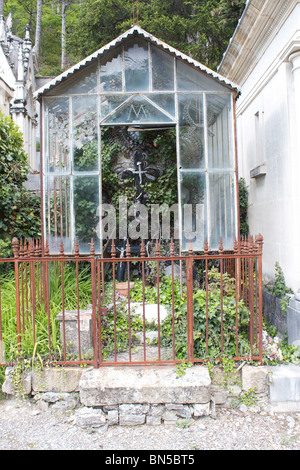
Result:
x=205 y=246
x=61 y=248
x=76 y=247
x=142 y=249
x=128 y=250
x=157 y=250
x=221 y=245
x=113 y=252
x=15 y=247
x=260 y=242
x=92 y=248
x=172 y=248
x=190 y=248
x=47 y=248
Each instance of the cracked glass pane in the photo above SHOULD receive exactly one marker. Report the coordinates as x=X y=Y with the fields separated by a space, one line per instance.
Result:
x=56 y=134
x=85 y=133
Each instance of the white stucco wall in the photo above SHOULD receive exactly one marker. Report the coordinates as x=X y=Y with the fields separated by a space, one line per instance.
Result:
x=268 y=133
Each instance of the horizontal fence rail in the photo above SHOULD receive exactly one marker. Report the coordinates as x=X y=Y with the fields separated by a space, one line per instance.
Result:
x=141 y=308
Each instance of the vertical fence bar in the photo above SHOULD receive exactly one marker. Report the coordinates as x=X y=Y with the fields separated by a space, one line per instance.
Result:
x=128 y=253
x=221 y=292
x=113 y=255
x=46 y=292
x=1 y=337
x=99 y=325
x=251 y=292
x=142 y=255
x=190 y=310
x=15 y=247
x=157 y=254
x=172 y=253
x=206 y=292
x=94 y=300
x=260 y=246
x=61 y=254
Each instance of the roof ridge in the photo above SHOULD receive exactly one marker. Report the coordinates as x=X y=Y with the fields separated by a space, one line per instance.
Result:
x=125 y=35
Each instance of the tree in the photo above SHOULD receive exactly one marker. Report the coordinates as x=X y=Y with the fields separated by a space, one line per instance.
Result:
x=38 y=27
x=19 y=208
x=199 y=28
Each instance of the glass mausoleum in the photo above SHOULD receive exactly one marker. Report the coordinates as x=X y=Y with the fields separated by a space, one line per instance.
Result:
x=137 y=80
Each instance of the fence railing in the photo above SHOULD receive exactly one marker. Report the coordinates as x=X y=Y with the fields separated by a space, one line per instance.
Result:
x=138 y=309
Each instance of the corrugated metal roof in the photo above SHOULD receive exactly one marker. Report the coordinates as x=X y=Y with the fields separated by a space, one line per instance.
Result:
x=135 y=30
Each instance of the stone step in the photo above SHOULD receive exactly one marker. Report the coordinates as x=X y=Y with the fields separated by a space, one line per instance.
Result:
x=284 y=387
x=159 y=384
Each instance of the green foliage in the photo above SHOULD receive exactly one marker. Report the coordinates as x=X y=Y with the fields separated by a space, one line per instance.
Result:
x=201 y=29
x=31 y=351
x=19 y=208
x=279 y=287
x=243 y=200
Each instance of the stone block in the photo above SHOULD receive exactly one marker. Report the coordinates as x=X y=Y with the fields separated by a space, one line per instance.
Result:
x=132 y=415
x=273 y=312
x=153 y=420
x=90 y=418
x=255 y=378
x=201 y=409
x=293 y=323
x=113 y=417
x=14 y=385
x=116 y=385
x=156 y=410
x=284 y=383
x=56 y=380
x=70 y=331
x=219 y=394
x=175 y=412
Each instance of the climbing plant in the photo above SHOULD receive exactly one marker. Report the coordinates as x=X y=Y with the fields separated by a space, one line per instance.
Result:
x=19 y=207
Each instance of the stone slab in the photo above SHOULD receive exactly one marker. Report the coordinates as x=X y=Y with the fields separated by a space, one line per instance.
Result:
x=255 y=378
x=117 y=385
x=293 y=324
x=57 y=380
x=284 y=383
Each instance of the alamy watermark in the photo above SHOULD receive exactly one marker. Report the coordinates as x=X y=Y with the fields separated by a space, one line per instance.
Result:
x=137 y=221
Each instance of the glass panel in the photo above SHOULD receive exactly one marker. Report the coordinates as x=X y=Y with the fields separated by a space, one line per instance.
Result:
x=138 y=111
x=162 y=70
x=191 y=127
x=57 y=212
x=220 y=131
x=86 y=211
x=136 y=59
x=83 y=82
x=190 y=79
x=166 y=101
x=111 y=102
x=56 y=134
x=111 y=71
x=85 y=133
x=222 y=209
x=194 y=212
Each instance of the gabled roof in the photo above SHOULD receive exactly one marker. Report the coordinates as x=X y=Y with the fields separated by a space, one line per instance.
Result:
x=135 y=30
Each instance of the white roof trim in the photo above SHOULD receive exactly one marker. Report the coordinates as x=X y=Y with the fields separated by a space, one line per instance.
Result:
x=135 y=29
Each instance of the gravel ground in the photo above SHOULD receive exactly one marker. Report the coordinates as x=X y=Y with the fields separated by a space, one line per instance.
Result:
x=23 y=426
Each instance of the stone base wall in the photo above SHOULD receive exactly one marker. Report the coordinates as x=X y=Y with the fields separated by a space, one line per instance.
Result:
x=65 y=389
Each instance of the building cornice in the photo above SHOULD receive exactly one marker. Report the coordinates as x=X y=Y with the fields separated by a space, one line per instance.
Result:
x=259 y=24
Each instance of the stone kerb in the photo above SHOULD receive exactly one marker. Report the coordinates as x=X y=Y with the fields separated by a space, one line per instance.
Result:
x=138 y=395
x=115 y=385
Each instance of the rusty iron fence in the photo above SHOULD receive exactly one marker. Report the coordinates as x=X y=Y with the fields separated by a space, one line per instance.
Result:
x=71 y=309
